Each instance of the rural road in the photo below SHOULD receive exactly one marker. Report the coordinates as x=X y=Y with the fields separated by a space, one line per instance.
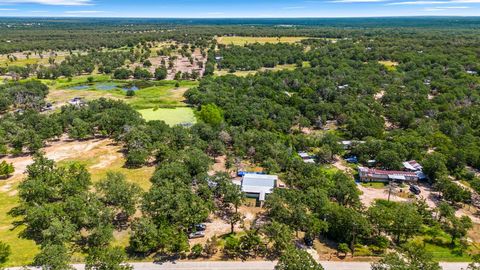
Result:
x=259 y=265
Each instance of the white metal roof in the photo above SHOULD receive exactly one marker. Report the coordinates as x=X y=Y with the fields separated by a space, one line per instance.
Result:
x=261 y=184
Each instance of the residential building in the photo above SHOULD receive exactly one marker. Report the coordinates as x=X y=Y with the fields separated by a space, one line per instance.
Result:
x=375 y=175
x=258 y=186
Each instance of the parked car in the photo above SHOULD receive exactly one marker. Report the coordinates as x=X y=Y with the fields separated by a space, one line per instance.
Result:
x=308 y=241
x=415 y=190
x=200 y=227
x=352 y=159
x=198 y=234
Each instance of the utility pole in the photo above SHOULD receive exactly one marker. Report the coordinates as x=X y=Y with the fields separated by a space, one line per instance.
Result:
x=391 y=186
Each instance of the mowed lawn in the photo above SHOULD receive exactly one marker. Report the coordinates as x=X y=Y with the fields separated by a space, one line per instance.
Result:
x=172 y=116
x=240 y=40
x=163 y=94
x=22 y=250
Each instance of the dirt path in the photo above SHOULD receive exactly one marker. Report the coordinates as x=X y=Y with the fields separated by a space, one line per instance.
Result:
x=341 y=164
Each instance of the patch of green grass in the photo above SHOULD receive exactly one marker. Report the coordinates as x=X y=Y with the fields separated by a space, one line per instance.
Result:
x=163 y=94
x=378 y=185
x=170 y=116
x=160 y=94
x=239 y=73
x=438 y=243
x=245 y=73
x=23 y=250
x=390 y=65
x=306 y=64
x=62 y=83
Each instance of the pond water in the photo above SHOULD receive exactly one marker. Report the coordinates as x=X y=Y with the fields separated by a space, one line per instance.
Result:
x=105 y=87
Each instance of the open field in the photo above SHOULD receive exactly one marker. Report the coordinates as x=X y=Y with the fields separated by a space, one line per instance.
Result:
x=245 y=73
x=170 y=116
x=239 y=40
x=164 y=95
x=23 y=60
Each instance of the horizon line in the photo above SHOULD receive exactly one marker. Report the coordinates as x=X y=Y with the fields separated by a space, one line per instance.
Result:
x=226 y=18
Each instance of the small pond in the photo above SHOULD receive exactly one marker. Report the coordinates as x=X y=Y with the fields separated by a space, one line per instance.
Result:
x=106 y=86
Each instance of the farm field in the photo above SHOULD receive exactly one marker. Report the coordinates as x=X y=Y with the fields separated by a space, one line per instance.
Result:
x=239 y=40
x=172 y=116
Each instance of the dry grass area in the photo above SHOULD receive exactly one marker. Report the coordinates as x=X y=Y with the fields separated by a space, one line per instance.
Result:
x=241 y=40
x=245 y=73
x=370 y=194
x=43 y=59
x=59 y=98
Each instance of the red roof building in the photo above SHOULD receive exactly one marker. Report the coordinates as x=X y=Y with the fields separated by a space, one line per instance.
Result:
x=374 y=175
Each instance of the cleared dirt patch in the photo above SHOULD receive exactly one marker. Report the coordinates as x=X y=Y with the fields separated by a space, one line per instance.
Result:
x=369 y=195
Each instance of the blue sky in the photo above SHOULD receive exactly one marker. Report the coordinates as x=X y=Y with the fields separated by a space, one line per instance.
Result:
x=237 y=8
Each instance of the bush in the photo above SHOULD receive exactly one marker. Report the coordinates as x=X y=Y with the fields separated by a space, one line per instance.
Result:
x=4 y=253
x=196 y=251
x=343 y=248
x=130 y=93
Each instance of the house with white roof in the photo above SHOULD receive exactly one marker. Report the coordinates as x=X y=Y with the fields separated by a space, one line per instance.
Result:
x=258 y=186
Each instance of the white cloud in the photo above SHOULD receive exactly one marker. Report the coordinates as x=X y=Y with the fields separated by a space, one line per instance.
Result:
x=215 y=13
x=453 y=7
x=436 y=9
x=8 y=9
x=356 y=1
x=295 y=7
x=418 y=3
x=466 y=1
x=50 y=2
x=434 y=2
x=84 y=11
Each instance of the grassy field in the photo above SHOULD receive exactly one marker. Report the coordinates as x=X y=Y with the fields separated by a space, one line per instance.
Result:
x=31 y=61
x=170 y=116
x=164 y=94
x=247 y=40
x=161 y=94
x=23 y=250
x=390 y=65
x=379 y=185
x=245 y=73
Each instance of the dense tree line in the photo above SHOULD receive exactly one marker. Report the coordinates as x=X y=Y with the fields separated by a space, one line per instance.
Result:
x=255 y=56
